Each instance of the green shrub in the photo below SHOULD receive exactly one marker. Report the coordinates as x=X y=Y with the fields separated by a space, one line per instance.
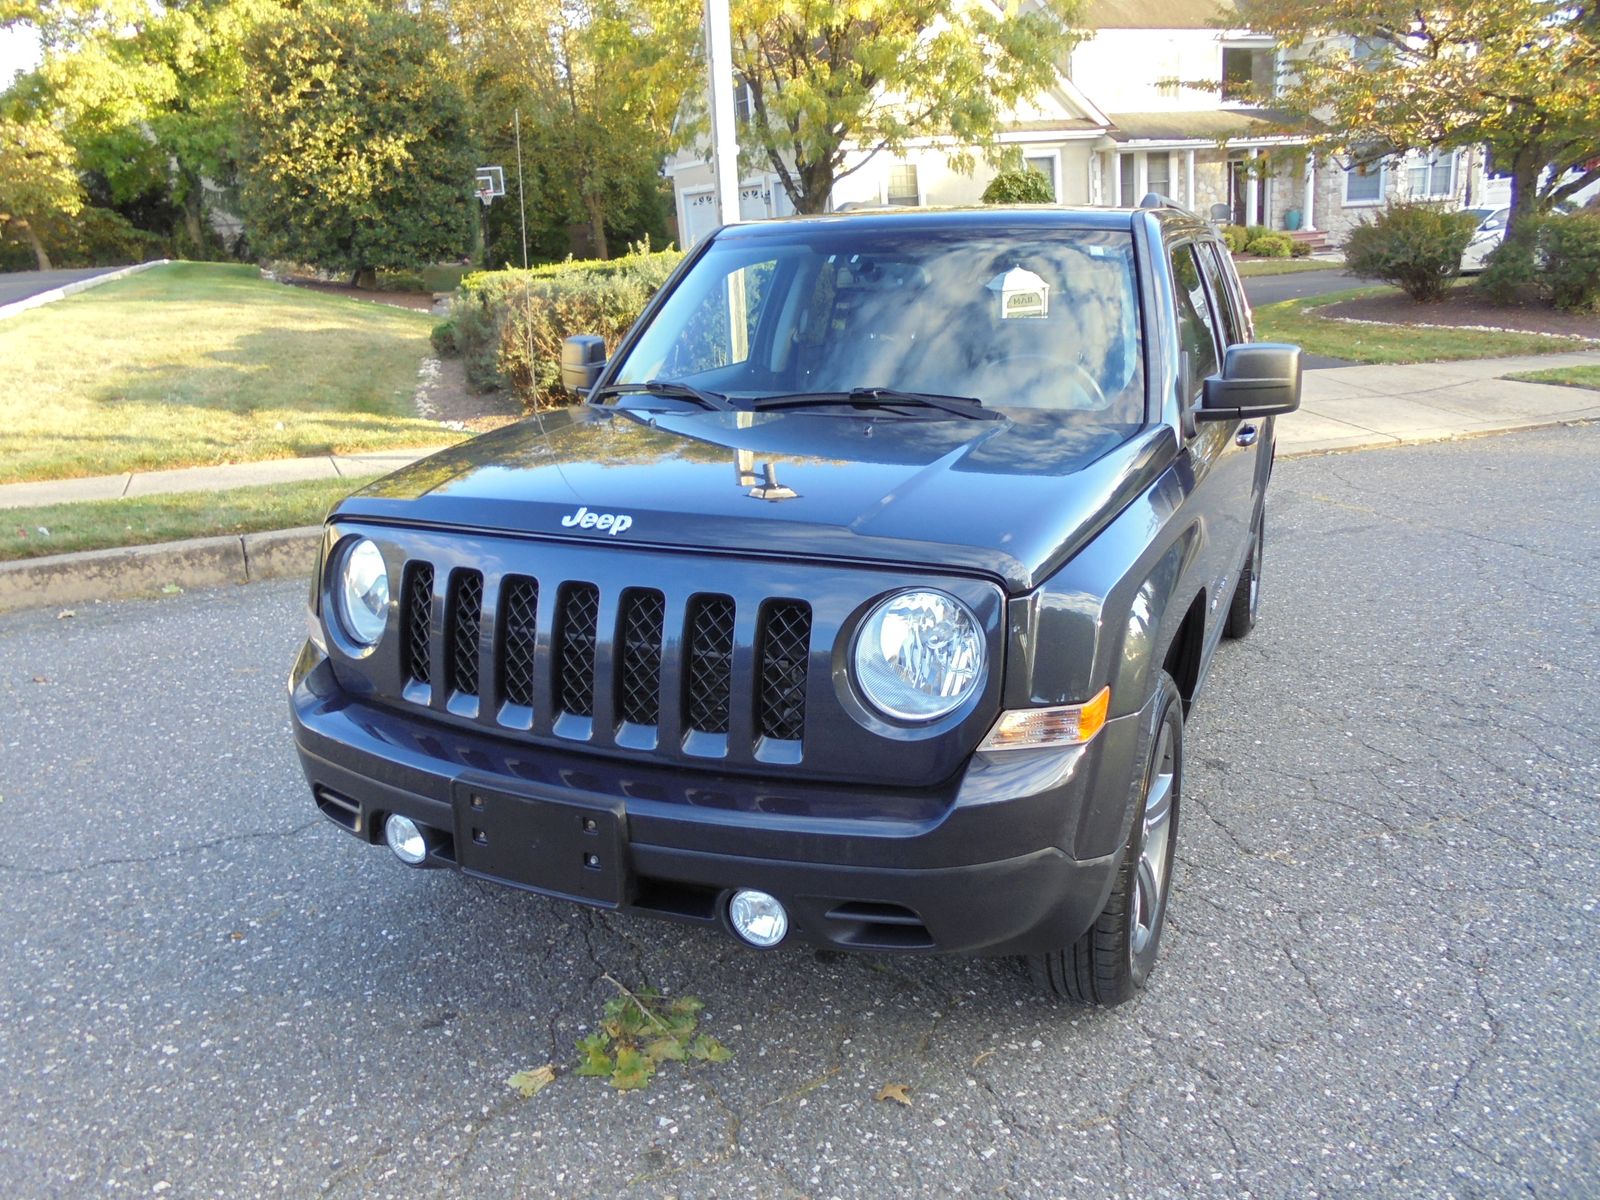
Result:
x=1570 y=251
x=443 y=338
x=1299 y=249
x=1252 y=232
x=1270 y=245
x=508 y=325
x=1416 y=247
x=1021 y=186
x=1511 y=269
x=1237 y=237
x=401 y=281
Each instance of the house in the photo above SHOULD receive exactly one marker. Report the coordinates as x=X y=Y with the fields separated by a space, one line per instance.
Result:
x=1123 y=119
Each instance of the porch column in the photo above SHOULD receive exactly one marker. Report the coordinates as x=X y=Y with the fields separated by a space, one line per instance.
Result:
x=1141 y=176
x=1188 y=174
x=1306 y=221
x=1251 y=215
x=1115 y=157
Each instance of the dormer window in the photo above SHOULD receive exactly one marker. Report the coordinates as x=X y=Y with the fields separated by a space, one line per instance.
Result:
x=1249 y=73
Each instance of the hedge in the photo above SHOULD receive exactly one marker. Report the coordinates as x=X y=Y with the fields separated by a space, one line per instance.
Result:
x=1270 y=245
x=1570 y=247
x=508 y=325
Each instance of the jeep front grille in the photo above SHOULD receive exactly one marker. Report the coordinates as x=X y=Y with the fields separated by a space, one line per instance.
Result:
x=465 y=616
x=602 y=657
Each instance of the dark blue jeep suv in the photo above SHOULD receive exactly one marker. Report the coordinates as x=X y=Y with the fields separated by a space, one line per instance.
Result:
x=859 y=604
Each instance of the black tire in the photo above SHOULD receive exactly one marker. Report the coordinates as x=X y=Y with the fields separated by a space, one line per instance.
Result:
x=1246 y=604
x=1111 y=962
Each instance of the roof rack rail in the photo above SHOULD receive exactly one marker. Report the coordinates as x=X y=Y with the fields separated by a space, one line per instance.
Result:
x=1157 y=200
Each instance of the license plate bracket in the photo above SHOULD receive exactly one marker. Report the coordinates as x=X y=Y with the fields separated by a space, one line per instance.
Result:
x=571 y=848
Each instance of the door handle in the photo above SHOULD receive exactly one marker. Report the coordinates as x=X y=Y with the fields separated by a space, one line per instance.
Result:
x=1246 y=436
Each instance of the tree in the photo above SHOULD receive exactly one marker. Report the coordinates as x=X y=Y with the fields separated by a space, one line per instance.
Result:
x=833 y=84
x=598 y=83
x=1378 y=77
x=37 y=181
x=355 y=139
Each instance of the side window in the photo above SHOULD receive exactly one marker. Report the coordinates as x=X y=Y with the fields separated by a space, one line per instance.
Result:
x=1197 y=335
x=1217 y=276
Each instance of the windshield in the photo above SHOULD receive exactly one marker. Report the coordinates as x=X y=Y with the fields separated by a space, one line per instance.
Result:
x=1016 y=318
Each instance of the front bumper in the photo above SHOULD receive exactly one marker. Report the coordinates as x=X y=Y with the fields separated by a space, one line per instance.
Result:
x=993 y=862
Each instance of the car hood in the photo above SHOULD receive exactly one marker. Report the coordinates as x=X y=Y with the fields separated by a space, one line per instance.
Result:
x=1010 y=498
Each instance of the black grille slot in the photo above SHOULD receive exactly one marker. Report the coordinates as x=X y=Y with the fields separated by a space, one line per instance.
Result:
x=416 y=652
x=710 y=667
x=575 y=640
x=785 y=648
x=639 y=664
x=519 y=611
x=465 y=620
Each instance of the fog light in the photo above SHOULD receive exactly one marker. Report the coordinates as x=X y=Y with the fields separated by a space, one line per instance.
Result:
x=757 y=917
x=406 y=839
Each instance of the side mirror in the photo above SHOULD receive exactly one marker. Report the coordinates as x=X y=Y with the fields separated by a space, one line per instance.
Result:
x=1258 y=379
x=583 y=356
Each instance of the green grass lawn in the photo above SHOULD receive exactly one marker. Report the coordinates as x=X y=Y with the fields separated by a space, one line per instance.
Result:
x=1297 y=321
x=1578 y=377
x=201 y=363
x=98 y=524
x=1282 y=266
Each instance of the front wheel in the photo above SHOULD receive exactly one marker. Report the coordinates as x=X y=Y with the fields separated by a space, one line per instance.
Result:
x=1246 y=604
x=1113 y=959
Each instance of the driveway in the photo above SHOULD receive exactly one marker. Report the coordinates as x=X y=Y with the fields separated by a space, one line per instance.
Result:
x=1379 y=978
x=19 y=285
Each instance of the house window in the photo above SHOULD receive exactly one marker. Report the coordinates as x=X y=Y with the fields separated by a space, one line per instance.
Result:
x=1044 y=164
x=1364 y=184
x=1434 y=177
x=903 y=185
x=1248 y=74
x=1158 y=173
x=744 y=102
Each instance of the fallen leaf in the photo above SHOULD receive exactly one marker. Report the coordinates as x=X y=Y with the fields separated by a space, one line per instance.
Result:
x=171 y=589
x=65 y=613
x=633 y=1070
x=664 y=1049
x=594 y=1061
x=40 y=679
x=532 y=1082
x=707 y=1049
x=895 y=1092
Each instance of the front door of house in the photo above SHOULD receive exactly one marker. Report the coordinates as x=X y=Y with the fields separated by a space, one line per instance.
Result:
x=1241 y=182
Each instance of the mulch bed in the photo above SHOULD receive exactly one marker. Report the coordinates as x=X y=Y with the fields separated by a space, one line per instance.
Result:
x=421 y=301
x=1463 y=306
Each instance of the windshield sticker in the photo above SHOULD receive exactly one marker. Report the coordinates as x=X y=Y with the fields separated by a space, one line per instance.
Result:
x=1021 y=294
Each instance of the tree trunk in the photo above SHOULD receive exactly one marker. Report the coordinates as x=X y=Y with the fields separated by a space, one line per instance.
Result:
x=597 y=225
x=194 y=211
x=1524 y=191
x=365 y=278
x=39 y=255
x=816 y=185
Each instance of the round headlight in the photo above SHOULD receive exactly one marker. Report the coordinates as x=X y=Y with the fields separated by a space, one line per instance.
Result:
x=919 y=655
x=363 y=593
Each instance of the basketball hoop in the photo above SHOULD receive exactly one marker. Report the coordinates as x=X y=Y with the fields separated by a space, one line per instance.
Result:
x=488 y=183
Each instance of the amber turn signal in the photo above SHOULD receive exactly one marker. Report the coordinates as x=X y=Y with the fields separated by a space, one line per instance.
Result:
x=1065 y=725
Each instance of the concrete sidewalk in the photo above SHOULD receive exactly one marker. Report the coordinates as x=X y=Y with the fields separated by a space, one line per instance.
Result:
x=208 y=479
x=1344 y=408
x=1353 y=408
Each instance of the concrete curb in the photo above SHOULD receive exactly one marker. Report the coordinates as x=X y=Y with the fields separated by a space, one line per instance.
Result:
x=133 y=571
x=1385 y=441
x=73 y=288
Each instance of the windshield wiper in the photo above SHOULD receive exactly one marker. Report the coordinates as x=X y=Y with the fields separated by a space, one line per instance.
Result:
x=668 y=388
x=877 y=397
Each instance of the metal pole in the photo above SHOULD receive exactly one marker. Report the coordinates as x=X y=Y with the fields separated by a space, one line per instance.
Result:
x=724 y=140
x=522 y=205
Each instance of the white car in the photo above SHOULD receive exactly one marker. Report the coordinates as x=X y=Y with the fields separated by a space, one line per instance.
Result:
x=1491 y=231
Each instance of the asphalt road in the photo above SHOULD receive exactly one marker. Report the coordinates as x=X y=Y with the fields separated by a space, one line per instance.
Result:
x=19 y=285
x=1270 y=289
x=1379 y=978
